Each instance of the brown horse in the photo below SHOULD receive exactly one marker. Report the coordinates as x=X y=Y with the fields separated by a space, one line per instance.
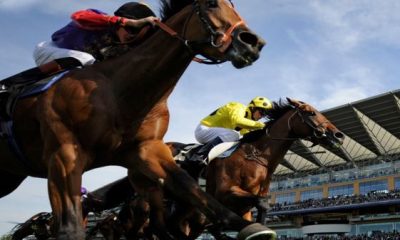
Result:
x=115 y=113
x=242 y=179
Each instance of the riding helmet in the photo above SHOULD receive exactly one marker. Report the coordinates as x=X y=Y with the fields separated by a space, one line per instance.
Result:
x=134 y=10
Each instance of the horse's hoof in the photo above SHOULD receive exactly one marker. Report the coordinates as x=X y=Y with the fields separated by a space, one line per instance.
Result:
x=256 y=231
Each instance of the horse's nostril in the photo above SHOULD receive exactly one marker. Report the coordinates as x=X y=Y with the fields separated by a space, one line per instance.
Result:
x=249 y=38
x=339 y=135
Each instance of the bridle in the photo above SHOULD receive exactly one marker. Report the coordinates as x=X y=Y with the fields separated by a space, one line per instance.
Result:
x=306 y=117
x=217 y=39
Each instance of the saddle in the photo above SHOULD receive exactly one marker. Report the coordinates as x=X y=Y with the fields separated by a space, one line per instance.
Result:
x=24 y=84
x=12 y=87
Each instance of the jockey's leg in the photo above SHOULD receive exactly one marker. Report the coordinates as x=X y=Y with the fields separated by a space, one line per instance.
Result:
x=64 y=182
x=47 y=51
x=35 y=74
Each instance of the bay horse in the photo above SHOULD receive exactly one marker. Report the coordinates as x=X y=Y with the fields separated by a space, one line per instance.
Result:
x=242 y=179
x=115 y=113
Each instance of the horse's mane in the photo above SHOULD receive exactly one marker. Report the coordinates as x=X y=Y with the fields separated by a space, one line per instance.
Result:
x=280 y=108
x=171 y=7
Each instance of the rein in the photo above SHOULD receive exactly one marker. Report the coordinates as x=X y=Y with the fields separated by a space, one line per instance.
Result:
x=289 y=129
x=217 y=39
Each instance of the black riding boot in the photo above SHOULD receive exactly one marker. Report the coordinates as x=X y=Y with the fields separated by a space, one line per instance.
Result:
x=38 y=73
x=202 y=154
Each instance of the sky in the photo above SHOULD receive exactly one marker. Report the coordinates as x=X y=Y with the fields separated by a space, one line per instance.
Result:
x=326 y=53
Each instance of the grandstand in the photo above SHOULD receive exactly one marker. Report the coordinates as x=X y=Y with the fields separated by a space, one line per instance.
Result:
x=350 y=191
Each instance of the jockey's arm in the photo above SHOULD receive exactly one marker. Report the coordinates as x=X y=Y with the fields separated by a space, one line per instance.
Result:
x=92 y=19
x=237 y=116
x=137 y=23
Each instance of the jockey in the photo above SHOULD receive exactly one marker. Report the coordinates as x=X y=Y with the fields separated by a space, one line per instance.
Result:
x=91 y=35
x=92 y=32
x=229 y=122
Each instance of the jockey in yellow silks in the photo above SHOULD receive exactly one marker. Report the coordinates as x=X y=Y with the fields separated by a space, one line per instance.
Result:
x=229 y=122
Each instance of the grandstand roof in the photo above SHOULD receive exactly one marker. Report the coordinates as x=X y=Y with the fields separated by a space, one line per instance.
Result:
x=372 y=130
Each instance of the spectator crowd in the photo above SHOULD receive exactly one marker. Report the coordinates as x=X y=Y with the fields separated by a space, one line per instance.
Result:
x=337 y=201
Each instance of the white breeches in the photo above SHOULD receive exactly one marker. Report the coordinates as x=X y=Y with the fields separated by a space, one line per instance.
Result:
x=204 y=134
x=47 y=51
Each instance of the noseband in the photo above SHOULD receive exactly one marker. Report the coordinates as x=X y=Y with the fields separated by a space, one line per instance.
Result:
x=217 y=39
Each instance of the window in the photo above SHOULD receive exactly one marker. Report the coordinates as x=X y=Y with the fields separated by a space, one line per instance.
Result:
x=341 y=190
x=285 y=197
x=366 y=187
x=311 y=194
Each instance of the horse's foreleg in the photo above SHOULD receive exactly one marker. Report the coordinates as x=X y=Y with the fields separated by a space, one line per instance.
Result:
x=64 y=182
x=157 y=164
x=236 y=194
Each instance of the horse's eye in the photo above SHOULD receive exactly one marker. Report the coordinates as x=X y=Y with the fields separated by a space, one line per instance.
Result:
x=312 y=113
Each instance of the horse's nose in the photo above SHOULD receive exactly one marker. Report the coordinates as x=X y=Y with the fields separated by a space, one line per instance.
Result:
x=251 y=39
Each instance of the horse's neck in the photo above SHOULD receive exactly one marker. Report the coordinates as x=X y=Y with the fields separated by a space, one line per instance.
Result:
x=150 y=71
x=277 y=143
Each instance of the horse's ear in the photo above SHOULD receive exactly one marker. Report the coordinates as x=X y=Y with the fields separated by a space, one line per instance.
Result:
x=293 y=102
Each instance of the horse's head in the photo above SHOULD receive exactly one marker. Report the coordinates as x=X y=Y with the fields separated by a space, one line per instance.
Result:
x=215 y=30
x=307 y=122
